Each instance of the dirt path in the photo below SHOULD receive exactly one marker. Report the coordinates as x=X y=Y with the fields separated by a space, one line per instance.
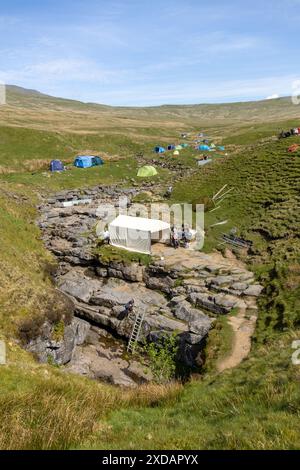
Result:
x=243 y=328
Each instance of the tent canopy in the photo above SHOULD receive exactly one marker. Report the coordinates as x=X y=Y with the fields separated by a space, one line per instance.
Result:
x=86 y=161
x=293 y=148
x=56 y=165
x=159 y=149
x=137 y=233
x=171 y=147
x=176 y=152
x=203 y=147
x=146 y=171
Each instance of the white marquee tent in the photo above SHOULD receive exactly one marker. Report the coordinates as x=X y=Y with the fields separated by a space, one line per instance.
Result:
x=137 y=233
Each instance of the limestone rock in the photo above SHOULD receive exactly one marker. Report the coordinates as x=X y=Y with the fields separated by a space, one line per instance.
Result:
x=254 y=290
x=46 y=348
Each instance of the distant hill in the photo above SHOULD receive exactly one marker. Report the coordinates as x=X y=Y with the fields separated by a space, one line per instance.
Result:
x=279 y=108
x=31 y=109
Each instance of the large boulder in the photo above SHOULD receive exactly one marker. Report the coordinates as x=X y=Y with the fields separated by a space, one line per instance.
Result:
x=162 y=283
x=49 y=348
x=254 y=290
x=184 y=311
x=129 y=272
x=217 y=304
x=110 y=299
x=81 y=289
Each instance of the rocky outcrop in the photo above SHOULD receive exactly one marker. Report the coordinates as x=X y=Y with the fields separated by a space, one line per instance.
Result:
x=128 y=272
x=180 y=297
x=103 y=357
x=103 y=302
x=47 y=347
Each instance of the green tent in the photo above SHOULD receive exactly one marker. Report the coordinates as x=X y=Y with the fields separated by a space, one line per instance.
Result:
x=178 y=147
x=146 y=171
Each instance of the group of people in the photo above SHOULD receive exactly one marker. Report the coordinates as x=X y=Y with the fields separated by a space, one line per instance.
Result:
x=294 y=131
x=180 y=237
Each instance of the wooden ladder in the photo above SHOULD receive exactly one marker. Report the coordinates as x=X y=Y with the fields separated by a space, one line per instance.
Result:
x=135 y=333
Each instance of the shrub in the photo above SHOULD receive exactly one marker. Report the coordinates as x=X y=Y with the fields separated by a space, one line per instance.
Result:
x=30 y=328
x=58 y=310
x=162 y=355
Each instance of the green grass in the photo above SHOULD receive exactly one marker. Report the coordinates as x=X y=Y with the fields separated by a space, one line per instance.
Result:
x=107 y=253
x=20 y=146
x=109 y=173
x=264 y=207
x=256 y=405
x=219 y=343
x=23 y=263
x=43 y=408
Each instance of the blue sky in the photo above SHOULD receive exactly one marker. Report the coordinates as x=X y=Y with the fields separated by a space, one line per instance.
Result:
x=151 y=52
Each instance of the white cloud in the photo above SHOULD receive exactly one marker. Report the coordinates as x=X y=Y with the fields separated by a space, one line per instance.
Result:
x=203 y=91
x=272 y=97
x=218 y=42
x=59 y=70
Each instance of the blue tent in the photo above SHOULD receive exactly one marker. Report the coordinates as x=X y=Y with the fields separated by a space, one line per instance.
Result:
x=86 y=161
x=56 y=165
x=171 y=147
x=159 y=150
x=221 y=148
x=204 y=147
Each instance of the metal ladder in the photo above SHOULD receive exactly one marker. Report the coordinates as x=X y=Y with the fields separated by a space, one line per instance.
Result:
x=139 y=318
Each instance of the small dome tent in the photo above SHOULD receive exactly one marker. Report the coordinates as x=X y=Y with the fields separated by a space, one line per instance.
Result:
x=159 y=149
x=204 y=147
x=87 y=161
x=176 y=152
x=146 y=171
x=171 y=147
x=56 y=165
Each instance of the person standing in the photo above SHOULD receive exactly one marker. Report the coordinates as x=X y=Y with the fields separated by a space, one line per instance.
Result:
x=184 y=236
x=128 y=309
x=176 y=238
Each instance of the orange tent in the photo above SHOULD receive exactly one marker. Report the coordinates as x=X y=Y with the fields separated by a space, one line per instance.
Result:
x=293 y=148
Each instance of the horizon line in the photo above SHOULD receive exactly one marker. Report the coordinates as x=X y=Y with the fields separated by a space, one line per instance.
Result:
x=145 y=106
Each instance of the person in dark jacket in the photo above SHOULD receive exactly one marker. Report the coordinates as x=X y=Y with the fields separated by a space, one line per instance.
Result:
x=128 y=309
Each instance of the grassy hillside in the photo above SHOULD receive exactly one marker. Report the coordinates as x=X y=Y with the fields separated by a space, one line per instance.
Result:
x=255 y=406
x=264 y=206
